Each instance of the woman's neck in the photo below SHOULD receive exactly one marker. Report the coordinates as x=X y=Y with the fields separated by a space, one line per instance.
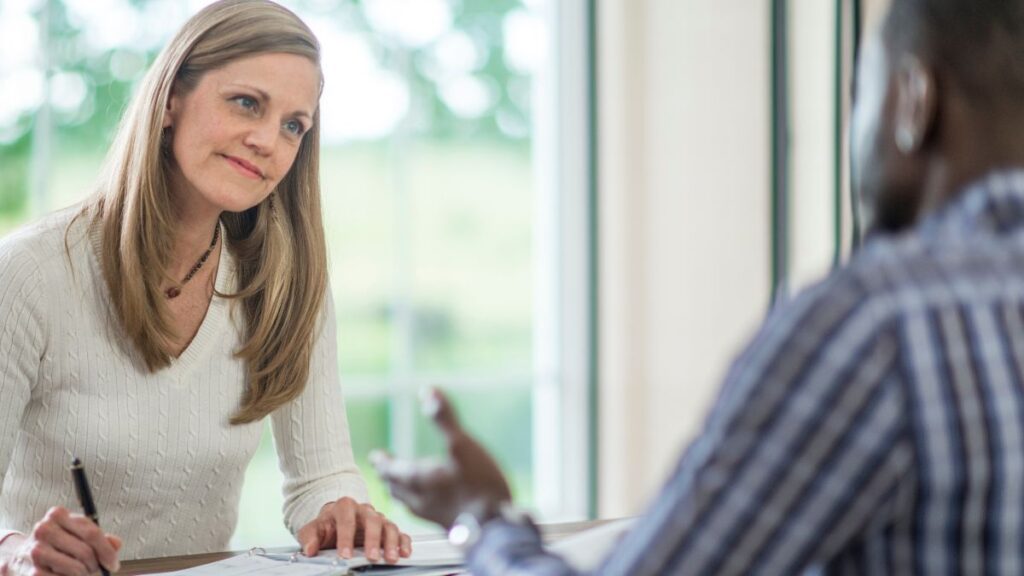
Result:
x=194 y=228
x=190 y=246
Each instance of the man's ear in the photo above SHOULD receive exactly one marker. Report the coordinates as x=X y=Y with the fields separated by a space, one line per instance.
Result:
x=916 y=104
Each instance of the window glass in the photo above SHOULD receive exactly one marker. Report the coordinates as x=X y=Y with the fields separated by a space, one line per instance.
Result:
x=428 y=193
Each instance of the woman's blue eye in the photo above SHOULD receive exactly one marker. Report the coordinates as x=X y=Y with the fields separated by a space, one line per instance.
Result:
x=294 y=127
x=246 y=102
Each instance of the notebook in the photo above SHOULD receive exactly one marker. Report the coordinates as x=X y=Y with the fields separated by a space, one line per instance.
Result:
x=429 y=558
x=583 y=551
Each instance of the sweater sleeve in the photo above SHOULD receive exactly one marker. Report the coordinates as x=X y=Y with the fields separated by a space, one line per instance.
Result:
x=312 y=437
x=22 y=344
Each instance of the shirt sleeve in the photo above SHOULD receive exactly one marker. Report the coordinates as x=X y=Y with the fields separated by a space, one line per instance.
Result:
x=312 y=437
x=22 y=344
x=806 y=445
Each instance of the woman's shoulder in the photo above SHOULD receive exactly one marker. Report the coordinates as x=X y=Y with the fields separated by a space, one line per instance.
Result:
x=43 y=245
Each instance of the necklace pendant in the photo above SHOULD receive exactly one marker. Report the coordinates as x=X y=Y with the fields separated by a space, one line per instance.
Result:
x=174 y=291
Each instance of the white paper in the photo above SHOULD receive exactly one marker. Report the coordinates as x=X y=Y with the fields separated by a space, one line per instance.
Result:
x=429 y=555
x=433 y=553
x=246 y=564
x=424 y=553
x=585 y=550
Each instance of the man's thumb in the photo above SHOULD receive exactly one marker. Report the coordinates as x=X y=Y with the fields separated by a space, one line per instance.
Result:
x=440 y=410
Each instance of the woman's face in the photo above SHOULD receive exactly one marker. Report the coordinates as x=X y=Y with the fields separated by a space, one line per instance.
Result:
x=235 y=136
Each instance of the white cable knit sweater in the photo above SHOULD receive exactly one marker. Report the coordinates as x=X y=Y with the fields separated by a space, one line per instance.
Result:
x=165 y=466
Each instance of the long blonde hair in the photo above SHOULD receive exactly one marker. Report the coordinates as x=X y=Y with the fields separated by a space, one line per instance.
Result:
x=279 y=244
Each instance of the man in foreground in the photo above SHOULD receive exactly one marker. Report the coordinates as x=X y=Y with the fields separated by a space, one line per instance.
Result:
x=875 y=425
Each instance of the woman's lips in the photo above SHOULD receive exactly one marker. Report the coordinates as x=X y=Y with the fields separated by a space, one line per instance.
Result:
x=244 y=168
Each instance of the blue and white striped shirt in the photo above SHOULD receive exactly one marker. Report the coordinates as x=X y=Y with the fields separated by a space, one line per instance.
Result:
x=875 y=425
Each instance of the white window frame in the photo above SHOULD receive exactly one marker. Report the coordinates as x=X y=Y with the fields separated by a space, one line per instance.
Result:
x=563 y=239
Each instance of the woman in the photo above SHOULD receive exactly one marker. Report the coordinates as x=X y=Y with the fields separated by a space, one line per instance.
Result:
x=150 y=331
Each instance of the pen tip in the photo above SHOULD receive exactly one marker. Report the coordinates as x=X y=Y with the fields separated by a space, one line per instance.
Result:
x=76 y=463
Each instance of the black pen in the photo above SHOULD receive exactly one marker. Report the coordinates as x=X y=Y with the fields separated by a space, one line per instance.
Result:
x=85 y=497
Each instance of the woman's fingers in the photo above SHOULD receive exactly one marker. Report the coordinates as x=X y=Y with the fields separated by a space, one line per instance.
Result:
x=392 y=542
x=63 y=544
x=98 y=547
x=309 y=538
x=46 y=559
x=346 y=524
x=373 y=526
x=53 y=535
x=344 y=517
x=405 y=545
x=69 y=543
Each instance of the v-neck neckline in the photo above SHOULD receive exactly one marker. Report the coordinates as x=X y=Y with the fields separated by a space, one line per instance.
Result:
x=210 y=327
x=213 y=325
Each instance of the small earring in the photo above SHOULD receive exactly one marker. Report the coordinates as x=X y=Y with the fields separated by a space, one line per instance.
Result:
x=905 y=140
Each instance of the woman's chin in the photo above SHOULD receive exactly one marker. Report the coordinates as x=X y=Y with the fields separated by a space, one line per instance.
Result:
x=239 y=204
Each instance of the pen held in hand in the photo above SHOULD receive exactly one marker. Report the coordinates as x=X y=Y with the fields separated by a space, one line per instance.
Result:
x=85 y=497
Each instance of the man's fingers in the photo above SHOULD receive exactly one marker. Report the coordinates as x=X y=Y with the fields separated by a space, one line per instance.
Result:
x=414 y=483
x=410 y=474
x=437 y=407
x=410 y=498
x=392 y=470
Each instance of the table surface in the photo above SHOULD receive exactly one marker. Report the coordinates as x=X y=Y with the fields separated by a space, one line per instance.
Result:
x=551 y=532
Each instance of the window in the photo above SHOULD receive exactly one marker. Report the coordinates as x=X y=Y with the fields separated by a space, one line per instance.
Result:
x=455 y=186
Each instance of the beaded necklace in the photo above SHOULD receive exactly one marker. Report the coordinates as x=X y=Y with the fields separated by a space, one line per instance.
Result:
x=175 y=291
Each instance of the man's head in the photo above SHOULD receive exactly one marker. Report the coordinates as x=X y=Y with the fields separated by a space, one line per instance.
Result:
x=939 y=102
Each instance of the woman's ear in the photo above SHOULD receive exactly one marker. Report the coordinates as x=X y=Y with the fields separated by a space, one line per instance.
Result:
x=173 y=104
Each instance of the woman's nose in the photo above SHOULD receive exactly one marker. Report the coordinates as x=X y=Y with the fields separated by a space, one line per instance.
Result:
x=262 y=137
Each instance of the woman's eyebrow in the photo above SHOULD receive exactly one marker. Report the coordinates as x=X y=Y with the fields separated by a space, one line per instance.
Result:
x=266 y=97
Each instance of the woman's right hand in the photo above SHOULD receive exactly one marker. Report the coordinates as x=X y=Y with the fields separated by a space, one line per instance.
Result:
x=61 y=544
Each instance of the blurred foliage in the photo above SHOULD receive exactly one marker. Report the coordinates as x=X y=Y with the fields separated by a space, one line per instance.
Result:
x=14 y=162
x=109 y=77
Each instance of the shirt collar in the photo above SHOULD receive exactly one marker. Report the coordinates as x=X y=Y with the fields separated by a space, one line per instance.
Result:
x=993 y=205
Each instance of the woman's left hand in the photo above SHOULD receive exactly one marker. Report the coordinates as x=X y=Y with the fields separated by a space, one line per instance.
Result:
x=345 y=524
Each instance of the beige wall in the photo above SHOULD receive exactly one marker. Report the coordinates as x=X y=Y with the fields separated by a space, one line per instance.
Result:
x=684 y=228
x=812 y=162
x=684 y=174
